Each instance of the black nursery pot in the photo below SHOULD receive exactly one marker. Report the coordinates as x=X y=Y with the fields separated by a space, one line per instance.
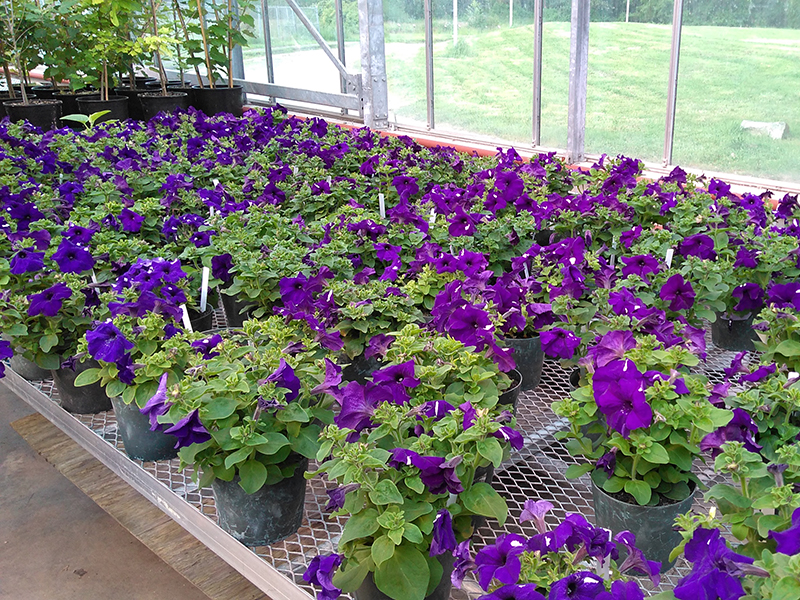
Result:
x=186 y=89
x=360 y=368
x=202 y=321
x=735 y=334
x=271 y=514
x=221 y=99
x=84 y=400
x=511 y=395
x=117 y=105
x=141 y=443
x=28 y=369
x=44 y=114
x=529 y=358
x=154 y=103
x=236 y=311
x=135 y=110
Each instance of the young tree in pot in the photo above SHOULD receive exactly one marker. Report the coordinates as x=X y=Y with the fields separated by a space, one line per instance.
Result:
x=248 y=419
x=652 y=415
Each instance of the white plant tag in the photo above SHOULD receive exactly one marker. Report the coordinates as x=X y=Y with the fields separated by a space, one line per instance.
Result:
x=211 y=211
x=527 y=273
x=433 y=216
x=94 y=277
x=204 y=289
x=329 y=179
x=382 y=206
x=668 y=258
x=186 y=322
x=295 y=170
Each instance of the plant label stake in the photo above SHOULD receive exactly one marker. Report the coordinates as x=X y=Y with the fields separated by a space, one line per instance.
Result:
x=295 y=170
x=186 y=322
x=433 y=216
x=204 y=289
x=382 y=206
x=211 y=212
x=527 y=273
x=329 y=179
x=94 y=277
x=668 y=258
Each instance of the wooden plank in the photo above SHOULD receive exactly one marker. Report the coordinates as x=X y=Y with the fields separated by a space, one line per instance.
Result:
x=173 y=544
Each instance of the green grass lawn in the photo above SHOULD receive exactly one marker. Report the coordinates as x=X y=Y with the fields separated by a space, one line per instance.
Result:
x=727 y=75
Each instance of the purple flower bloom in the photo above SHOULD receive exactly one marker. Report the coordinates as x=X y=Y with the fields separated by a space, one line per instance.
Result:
x=470 y=325
x=608 y=462
x=736 y=366
x=336 y=496
x=26 y=261
x=583 y=585
x=612 y=346
x=500 y=561
x=107 y=343
x=357 y=409
x=130 y=220
x=559 y=343
x=437 y=474
x=189 y=430
x=788 y=541
x=619 y=394
x=284 y=377
x=741 y=428
x=48 y=302
x=463 y=563
x=760 y=373
x=207 y=345
x=746 y=258
x=79 y=235
x=201 y=239
x=71 y=258
x=636 y=560
x=512 y=436
x=678 y=293
x=5 y=352
x=463 y=223
x=387 y=252
x=623 y=590
x=157 y=405
x=628 y=237
x=699 y=245
x=221 y=266
x=750 y=296
x=716 y=570
x=320 y=572
x=333 y=377
x=640 y=265
x=402 y=374
x=444 y=540
x=378 y=344
x=525 y=591
x=436 y=409
x=535 y=510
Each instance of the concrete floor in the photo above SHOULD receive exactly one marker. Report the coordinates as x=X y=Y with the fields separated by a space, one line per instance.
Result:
x=57 y=544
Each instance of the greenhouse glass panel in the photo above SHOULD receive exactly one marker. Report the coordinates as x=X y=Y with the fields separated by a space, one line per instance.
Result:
x=405 y=61
x=739 y=63
x=629 y=54
x=555 y=72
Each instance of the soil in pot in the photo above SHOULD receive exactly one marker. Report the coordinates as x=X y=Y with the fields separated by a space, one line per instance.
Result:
x=141 y=443
x=44 y=114
x=271 y=514
x=84 y=400
x=117 y=105
x=156 y=85
x=369 y=591
x=652 y=525
x=529 y=358
x=154 y=103
x=735 y=334
x=511 y=395
x=221 y=99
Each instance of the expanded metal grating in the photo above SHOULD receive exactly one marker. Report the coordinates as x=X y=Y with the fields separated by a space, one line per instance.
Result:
x=534 y=472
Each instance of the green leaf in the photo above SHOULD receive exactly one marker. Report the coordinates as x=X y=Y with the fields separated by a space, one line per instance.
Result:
x=437 y=571
x=361 y=525
x=412 y=533
x=46 y=342
x=115 y=388
x=490 y=449
x=386 y=492
x=656 y=454
x=483 y=500
x=767 y=523
x=238 y=456
x=788 y=348
x=639 y=490
x=722 y=491
x=88 y=377
x=220 y=408
x=252 y=476
x=575 y=471
x=275 y=441
x=382 y=549
x=404 y=576
x=351 y=578
x=787 y=588
x=307 y=442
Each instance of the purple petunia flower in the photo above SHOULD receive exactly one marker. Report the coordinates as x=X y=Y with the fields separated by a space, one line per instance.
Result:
x=26 y=261
x=746 y=258
x=559 y=343
x=636 y=560
x=678 y=293
x=357 y=409
x=784 y=295
x=525 y=591
x=741 y=428
x=640 y=265
x=378 y=345
x=320 y=572
x=619 y=394
x=623 y=590
x=470 y=325
x=221 y=266
x=627 y=238
x=71 y=258
x=436 y=473
x=535 y=510
x=157 y=405
x=336 y=496
x=79 y=235
x=189 y=430
x=49 y=302
x=333 y=377
x=750 y=296
x=107 y=343
x=583 y=585
x=284 y=377
x=5 y=352
x=788 y=541
x=463 y=223
x=612 y=346
x=131 y=221
x=207 y=345
x=500 y=561
x=202 y=239
x=463 y=563
x=402 y=374
x=608 y=462
x=760 y=373
x=387 y=252
x=443 y=540
x=699 y=245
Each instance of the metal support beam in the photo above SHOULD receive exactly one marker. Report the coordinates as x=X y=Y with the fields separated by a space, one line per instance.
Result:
x=578 y=75
x=538 y=18
x=375 y=94
x=267 y=41
x=672 y=91
x=429 y=63
x=340 y=42
x=237 y=57
x=319 y=39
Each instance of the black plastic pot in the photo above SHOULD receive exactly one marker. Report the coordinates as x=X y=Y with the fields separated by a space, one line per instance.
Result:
x=360 y=368
x=369 y=591
x=652 y=525
x=236 y=311
x=202 y=321
x=511 y=395
x=44 y=114
x=135 y=110
x=271 y=514
x=221 y=99
x=28 y=369
x=735 y=334
x=69 y=101
x=529 y=358
x=44 y=92
x=156 y=85
x=84 y=400
x=154 y=103
x=118 y=105
x=186 y=89
x=141 y=443
x=542 y=237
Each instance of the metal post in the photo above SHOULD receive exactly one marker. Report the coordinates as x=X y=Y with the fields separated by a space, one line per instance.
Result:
x=267 y=41
x=510 y=13
x=538 y=18
x=375 y=95
x=429 y=63
x=340 y=45
x=237 y=58
x=578 y=73
x=455 y=23
x=672 y=91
